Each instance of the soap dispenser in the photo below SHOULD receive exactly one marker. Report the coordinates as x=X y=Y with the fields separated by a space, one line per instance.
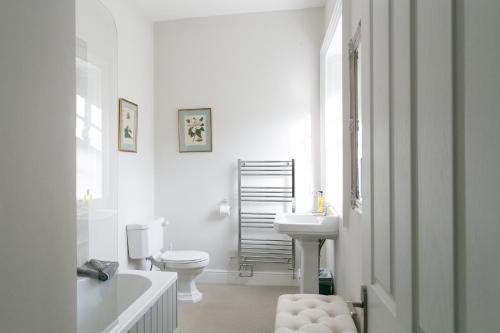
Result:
x=320 y=202
x=87 y=198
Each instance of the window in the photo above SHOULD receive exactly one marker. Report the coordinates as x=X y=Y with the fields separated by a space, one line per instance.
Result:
x=333 y=115
x=90 y=160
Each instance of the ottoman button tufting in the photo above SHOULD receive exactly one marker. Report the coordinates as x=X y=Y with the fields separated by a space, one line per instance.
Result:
x=330 y=307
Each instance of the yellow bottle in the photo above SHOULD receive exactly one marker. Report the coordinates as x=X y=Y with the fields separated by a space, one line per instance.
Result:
x=87 y=198
x=321 y=203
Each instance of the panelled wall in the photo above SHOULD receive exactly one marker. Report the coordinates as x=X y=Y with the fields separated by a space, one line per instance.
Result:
x=161 y=317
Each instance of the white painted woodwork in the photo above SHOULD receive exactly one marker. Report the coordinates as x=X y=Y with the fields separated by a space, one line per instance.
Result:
x=381 y=136
x=433 y=218
x=387 y=151
x=478 y=158
x=409 y=186
x=431 y=132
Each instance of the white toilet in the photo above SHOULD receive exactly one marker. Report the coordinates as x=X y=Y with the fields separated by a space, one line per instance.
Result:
x=145 y=241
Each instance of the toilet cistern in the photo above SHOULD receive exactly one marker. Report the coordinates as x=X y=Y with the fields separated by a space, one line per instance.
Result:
x=308 y=229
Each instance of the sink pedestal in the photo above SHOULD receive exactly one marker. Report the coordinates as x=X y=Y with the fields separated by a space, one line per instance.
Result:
x=307 y=229
x=309 y=281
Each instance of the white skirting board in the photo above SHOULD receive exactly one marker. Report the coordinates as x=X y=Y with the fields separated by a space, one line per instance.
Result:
x=258 y=278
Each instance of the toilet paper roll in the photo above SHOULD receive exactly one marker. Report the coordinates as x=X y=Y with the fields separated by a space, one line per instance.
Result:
x=224 y=209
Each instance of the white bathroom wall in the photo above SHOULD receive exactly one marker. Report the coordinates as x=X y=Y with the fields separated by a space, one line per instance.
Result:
x=345 y=255
x=348 y=250
x=259 y=74
x=331 y=114
x=37 y=167
x=329 y=11
x=135 y=83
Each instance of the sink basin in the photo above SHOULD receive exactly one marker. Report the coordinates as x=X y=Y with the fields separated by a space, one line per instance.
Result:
x=307 y=225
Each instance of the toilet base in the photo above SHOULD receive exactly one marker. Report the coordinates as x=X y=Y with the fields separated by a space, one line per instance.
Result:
x=186 y=284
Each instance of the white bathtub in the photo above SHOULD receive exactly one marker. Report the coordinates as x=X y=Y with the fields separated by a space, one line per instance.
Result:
x=132 y=300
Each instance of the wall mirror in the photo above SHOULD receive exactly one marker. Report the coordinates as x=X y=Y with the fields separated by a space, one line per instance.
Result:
x=355 y=126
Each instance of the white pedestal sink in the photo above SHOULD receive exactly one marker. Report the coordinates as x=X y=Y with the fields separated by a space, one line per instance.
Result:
x=307 y=230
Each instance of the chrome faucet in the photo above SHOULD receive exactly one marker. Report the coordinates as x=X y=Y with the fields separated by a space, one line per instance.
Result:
x=325 y=208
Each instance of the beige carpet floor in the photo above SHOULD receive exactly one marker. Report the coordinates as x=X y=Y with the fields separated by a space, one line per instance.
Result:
x=232 y=309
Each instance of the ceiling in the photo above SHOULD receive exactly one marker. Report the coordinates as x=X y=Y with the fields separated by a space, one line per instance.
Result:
x=162 y=10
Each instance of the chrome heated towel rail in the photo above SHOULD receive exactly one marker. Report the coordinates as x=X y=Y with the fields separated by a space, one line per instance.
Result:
x=262 y=184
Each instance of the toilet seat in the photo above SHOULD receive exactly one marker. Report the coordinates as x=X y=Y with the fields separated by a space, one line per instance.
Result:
x=184 y=257
x=184 y=260
x=176 y=260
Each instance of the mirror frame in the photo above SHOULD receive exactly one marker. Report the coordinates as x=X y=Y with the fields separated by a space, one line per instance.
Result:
x=354 y=116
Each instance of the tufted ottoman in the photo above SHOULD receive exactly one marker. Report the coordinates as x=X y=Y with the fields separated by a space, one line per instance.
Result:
x=310 y=313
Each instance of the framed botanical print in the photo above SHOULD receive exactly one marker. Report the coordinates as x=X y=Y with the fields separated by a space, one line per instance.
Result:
x=127 y=127
x=195 y=130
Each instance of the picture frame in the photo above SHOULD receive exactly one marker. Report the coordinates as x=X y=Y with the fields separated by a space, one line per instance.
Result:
x=127 y=125
x=195 y=130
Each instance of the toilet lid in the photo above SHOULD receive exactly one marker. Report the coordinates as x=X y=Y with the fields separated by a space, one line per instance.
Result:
x=184 y=256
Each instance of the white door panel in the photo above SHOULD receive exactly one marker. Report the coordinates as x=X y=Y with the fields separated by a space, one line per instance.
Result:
x=408 y=204
x=430 y=94
x=381 y=149
x=388 y=208
x=434 y=165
